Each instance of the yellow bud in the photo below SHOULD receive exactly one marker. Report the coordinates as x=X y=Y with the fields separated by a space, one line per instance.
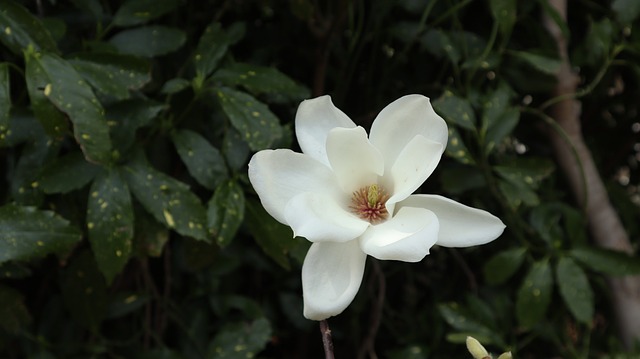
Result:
x=476 y=349
x=506 y=355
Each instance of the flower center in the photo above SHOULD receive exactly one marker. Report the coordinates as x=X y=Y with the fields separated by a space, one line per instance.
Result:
x=369 y=202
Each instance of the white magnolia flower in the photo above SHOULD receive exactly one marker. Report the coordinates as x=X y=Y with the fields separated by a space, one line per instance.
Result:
x=351 y=195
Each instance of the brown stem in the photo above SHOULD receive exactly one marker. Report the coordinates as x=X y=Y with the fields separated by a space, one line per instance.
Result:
x=327 y=342
x=368 y=345
x=587 y=185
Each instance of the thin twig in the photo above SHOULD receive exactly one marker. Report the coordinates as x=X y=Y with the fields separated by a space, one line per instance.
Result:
x=368 y=345
x=327 y=342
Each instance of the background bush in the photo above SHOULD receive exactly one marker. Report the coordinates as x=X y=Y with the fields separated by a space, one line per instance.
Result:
x=128 y=227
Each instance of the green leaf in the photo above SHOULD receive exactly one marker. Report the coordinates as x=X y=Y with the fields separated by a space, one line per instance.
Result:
x=235 y=150
x=575 y=289
x=53 y=121
x=14 y=314
x=460 y=319
x=136 y=12
x=258 y=125
x=275 y=239
x=213 y=45
x=20 y=29
x=167 y=199
x=5 y=100
x=175 y=85
x=125 y=117
x=455 y=110
x=544 y=64
x=529 y=171
x=553 y=13
x=518 y=194
x=503 y=265
x=110 y=222
x=545 y=219
x=225 y=212
x=241 y=340
x=150 y=236
x=27 y=233
x=495 y=106
x=626 y=10
x=69 y=92
x=67 y=173
x=39 y=150
x=439 y=43
x=125 y=303
x=84 y=291
x=457 y=149
x=204 y=162
x=534 y=295
x=607 y=261
x=113 y=74
x=149 y=41
x=260 y=80
x=501 y=128
x=14 y=270
x=92 y=6
x=504 y=12
x=459 y=179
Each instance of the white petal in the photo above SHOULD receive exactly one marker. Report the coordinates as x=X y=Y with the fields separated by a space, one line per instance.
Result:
x=460 y=225
x=314 y=119
x=403 y=119
x=318 y=217
x=413 y=166
x=407 y=236
x=331 y=276
x=353 y=158
x=279 y=175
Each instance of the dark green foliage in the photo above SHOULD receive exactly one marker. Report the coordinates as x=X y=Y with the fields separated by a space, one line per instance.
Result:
x=129 y=229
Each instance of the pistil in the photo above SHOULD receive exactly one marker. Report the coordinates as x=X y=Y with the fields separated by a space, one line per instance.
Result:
x=369 y=202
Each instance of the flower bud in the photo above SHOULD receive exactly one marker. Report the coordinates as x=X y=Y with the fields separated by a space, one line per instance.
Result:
x=476 y=349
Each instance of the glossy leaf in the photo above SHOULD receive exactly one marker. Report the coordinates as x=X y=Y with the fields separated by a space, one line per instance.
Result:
x=149 y=41
x=545 y=219
x=53 y=120
x=275 y=239
x=526 y=171
x=204 y=162
x=225 y=212
x=212 y=47
x=457 y=149
x=110 y=223
x=69 y=92
x=13 y=311
x=261 y=80
x=504 y=12
x=27 y=233
x=84 y=291
x=21 y=29
x=125 y=117
x=607 y=261
x=92 y=6
x=38 y=150
x=112 y=74
x=235 y=150
x=5 y=100
x=501 y=128
x=460 y=319
x=439 y=43
x=136 y=12
x=575 y=289
x=626 y=10
x=240 y=341
x=495 y=105
x=175 y=85
x=503 y=265
x=455 y=110
x=534 y=294
x=167 y=199
x=67 y=173
x=518 y=194
x=459 y=179
x=258 y=126
x=544 y=64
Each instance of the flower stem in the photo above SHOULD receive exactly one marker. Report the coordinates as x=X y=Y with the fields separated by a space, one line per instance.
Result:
x=327 y=342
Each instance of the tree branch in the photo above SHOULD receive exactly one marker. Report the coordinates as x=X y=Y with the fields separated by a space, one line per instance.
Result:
x=587 y=185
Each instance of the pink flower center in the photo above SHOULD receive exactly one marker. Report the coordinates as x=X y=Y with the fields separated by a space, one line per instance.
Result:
x=369 y=202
